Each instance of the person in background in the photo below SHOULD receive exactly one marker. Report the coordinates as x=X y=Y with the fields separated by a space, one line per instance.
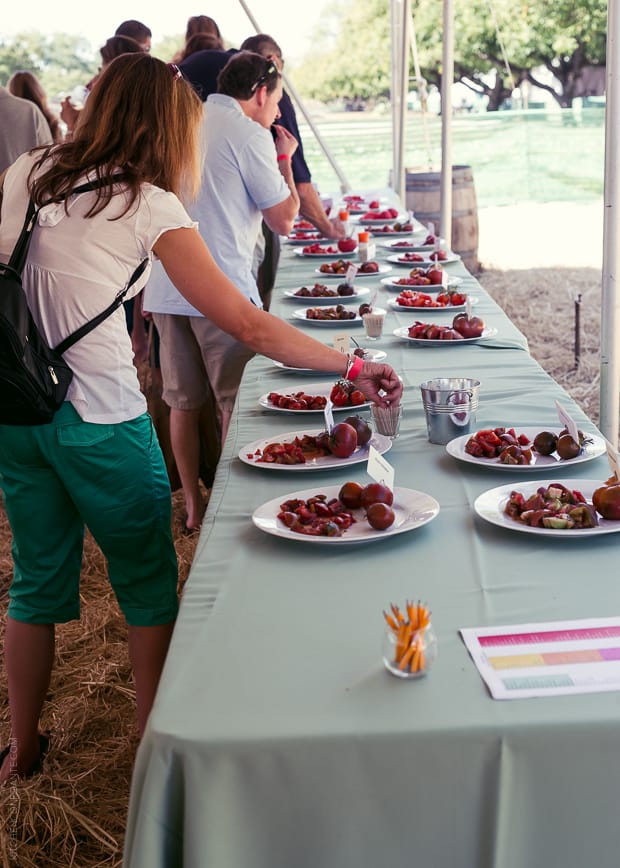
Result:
x=200 y=42
x=199 y=26
x=27 y=86
x=22 y=126
x=310 y=205
x=202 y=69
x=113 y=47
x=98 y=462
x=245 y=179
x=136 y=30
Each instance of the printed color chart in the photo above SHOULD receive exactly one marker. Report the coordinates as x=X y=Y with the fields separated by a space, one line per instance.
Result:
x=548 y=659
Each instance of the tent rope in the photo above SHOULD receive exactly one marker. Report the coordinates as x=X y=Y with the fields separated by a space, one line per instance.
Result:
x=501 y=44
x=422 y=92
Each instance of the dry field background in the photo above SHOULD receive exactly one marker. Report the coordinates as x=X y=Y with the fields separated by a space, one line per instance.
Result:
x=537 y=260
x=74 y=813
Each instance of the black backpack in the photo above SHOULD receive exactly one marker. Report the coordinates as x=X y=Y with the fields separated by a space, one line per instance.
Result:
x=34 y=378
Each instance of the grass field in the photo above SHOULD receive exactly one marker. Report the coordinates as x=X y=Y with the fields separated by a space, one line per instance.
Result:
x=530 y=156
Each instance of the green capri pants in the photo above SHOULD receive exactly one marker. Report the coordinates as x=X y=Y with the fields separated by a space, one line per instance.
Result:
x=59 y=477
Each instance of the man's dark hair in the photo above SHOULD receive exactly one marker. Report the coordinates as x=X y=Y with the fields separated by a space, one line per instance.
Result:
x=134 y=29
x=263 y=44
x=244 y=73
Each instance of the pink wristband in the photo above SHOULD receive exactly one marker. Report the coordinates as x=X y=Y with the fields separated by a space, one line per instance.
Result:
x=283 y=157
x=354 y=367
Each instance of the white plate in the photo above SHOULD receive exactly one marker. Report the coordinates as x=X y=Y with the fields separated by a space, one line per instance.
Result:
x=359 y=292
x=411 y=246
x=409 y=233
x=383 y=269
x=430 y=288
x=312 y=389
x=328 y=462
x=409 y=309
x=304 y=242
x=361 y=205
x=413 y=509
x=456 y=448
x=490 y=506
x=300 y=313
x=425 y=262
x=403 y=333
x=371 y=356
x=400 y=218
x=337 y=254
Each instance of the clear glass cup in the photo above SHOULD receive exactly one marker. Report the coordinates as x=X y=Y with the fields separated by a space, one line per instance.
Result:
x=373 y=323
x=387 y=419
x=413 y=659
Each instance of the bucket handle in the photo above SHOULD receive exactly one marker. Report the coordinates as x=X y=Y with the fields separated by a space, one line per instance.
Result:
x=460 y=392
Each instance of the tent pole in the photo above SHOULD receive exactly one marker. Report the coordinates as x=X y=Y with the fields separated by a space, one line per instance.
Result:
x=610 y=299
x=400 y=37
x=447 y=78
x=344 y=184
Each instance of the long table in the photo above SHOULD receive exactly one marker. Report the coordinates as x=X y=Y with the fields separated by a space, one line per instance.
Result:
x=278 y=740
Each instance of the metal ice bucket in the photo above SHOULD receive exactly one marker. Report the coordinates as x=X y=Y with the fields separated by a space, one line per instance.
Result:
x=450 y=405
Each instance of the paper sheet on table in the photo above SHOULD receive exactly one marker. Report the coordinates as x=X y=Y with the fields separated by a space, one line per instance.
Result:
x=547 y=659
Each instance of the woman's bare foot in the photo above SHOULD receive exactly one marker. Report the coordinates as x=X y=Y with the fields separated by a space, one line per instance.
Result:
x=24 y=761
x=195 y=513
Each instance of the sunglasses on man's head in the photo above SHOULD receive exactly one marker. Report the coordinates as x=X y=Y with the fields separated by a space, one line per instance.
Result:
x=266 y=75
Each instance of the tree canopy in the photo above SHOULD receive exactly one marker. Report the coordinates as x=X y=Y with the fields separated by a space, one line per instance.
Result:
x=60 y=61
x=498 y=45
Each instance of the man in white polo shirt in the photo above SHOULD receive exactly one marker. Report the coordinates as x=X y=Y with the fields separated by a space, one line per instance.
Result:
x=245 y=179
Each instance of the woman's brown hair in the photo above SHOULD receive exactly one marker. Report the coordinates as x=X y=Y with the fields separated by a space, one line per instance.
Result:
x=202 y=24
x=27 y=86
x=142 y=120
x=200 y=42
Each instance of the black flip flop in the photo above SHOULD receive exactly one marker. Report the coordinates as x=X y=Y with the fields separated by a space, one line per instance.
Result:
x=35 y=768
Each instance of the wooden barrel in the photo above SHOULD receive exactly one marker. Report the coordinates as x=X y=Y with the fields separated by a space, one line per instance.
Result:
x=424 y=199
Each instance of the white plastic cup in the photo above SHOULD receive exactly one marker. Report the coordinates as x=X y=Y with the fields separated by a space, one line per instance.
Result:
x=373 y=323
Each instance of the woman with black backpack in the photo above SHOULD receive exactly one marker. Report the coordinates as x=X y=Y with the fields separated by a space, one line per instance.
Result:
x=97 y=463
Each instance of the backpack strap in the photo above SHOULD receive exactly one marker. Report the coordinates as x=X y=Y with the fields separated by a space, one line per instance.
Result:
x=79 y=333
x=20 y=251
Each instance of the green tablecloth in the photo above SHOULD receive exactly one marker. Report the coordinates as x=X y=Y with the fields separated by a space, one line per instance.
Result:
x=279 y=741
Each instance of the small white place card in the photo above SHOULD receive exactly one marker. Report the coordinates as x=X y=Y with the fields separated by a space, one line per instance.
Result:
x=350 y=274
x=380 y=469
x=329 y=415
x=568 y=422
x=612 y=457
x=341 y=342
